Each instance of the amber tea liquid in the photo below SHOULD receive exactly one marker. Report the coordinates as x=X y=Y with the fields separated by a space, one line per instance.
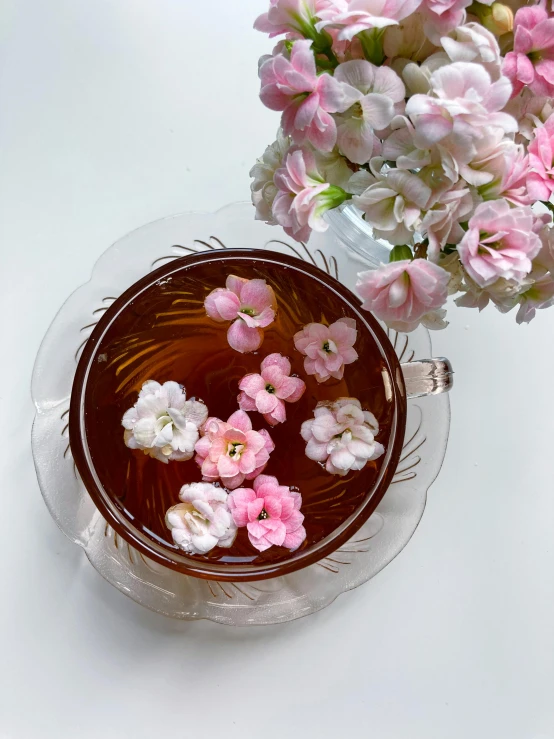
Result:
x=165 y=334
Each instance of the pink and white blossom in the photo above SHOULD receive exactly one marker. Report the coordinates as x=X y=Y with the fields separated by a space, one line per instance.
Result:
x=250 y=304
x=327 y=349
x=500 y=242
x=441 y=223
x=402 y=293
x=289 y=16
x=363 y=15
x=342 y=436
x=463 y=100
x=380 y=88
x=531 y=63
x=303 y=195
x=263 y=188
x=267 y=392
x=440 y=17
x=163 y=423
x=306 y=98
x=393 y=205
x=231 y=451
x=270 y=512
x=540 y=179
x=202 y=520
x=474 y=43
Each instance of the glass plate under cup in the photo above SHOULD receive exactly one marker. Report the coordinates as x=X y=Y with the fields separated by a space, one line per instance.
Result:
x=168 y=592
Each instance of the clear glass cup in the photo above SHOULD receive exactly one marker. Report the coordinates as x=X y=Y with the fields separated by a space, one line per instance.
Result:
x=402 y=381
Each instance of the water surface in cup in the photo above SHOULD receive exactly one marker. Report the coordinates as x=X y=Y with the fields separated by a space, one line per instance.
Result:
x=164 y=334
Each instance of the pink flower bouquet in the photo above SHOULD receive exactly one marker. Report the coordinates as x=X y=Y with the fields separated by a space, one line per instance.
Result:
x=434 y=119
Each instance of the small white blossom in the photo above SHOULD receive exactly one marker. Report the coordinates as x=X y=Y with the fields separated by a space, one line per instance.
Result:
x=202 y=520
x=342 y=436
x=163 y=423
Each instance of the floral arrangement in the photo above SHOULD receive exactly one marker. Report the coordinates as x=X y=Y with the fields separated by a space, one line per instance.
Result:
x=435 y=119
x=164 y=425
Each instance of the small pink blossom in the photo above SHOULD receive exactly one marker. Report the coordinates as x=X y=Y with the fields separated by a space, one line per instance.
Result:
x=500 y=243
x=363 y=15
x=464 y=99
x=303 y=195
x=441 y=224
x=231 y=451
x=270 y=512
x=306 y=98
x=474 y=43
x=531 y=63
x=250 y=304
x=402 y=293
x=327 y=348
x=342 y=435
x=268 y=391
x=380 y=88
x=540 y=179
x=287 y=16
x=442 y=17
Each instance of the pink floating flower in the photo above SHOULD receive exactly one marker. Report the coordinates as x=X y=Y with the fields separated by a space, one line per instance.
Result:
x=342 y=435
x=362 y=15
x=250 y=304
x=231 y=451
x=540 y=179
x=531 y=63
x=402 y=293
x=303 y=195
x=500 y=242
x=327 y=348
x=270 y=512
x=268 y=391
x=306 y=98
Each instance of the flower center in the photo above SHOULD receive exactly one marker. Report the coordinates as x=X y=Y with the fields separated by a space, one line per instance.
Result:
x=269 y=389
x=248 y=311
x=329 y=347
x=534 y=57
x=326 y=347
x=234 y=449
x=263 y=515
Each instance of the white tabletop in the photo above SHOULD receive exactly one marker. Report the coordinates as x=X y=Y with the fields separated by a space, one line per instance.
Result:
x=118 y=112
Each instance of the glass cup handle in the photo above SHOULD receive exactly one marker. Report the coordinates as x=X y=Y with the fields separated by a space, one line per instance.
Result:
x=427 y=377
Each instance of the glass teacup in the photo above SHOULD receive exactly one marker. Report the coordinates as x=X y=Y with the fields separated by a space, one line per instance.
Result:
x=158 y=330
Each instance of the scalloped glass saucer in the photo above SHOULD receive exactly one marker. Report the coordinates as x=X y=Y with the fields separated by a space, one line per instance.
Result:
x=168 y=592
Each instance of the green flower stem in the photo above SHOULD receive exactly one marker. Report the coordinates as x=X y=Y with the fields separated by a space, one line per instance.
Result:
x=400 y=252
x=372 y=45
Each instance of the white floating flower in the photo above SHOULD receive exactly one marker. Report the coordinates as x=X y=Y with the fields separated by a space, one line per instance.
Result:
x=163 y=423
x=342 y=436
x=202 y=520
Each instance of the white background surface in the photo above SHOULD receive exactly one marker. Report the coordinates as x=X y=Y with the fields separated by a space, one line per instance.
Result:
x=118 y=112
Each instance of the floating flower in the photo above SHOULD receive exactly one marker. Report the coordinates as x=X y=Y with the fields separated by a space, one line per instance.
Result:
x=531 y=63
x=500 y=242
x=342 y=436
x=303 y=195
x=327 y=348
x=268 y=391
x=270 y=512
x=163 y=423
x=202 y=520
x=402 y=292
x=231 y=451
x=250 y=304
x=306 y=98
